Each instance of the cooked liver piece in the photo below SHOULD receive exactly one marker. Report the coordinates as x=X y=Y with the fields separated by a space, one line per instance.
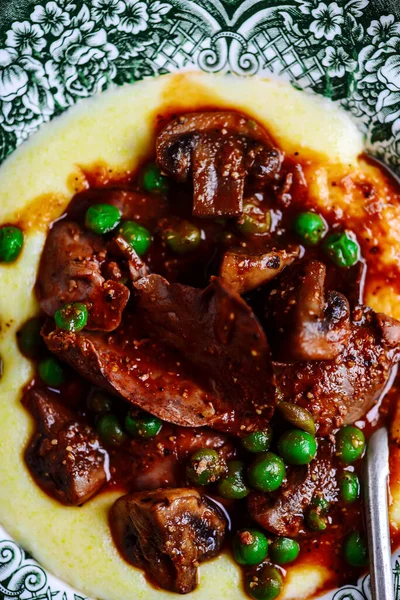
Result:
x=121 y=248
x=70 y=271
x=220 y=150
x=282 y=513
x=142 y=371
x=220 y=334
x=244 y=272
x=64 y=456
x=168 y=532
x=340 y=389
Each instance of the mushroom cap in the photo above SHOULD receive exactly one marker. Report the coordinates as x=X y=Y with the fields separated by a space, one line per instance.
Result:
x=220 y=149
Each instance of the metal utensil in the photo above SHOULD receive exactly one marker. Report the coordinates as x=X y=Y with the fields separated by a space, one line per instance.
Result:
x=376 y=479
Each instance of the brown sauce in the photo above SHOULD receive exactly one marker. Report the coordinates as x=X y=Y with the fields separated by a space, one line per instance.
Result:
x=284 y=198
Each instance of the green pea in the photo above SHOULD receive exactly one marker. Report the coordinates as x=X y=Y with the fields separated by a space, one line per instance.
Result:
x=153 y=180
x=30 y=342
x=342 y=249
x=264 y=582
x=258 y=441
x=71 y=317
x=316 y=515
x=232 y=485
x=205 y=466
x=250 y=547
x=11 y=242
x=136 y=235
x=297 y=416
x=102 y=218
x=310 y=228
x=143 y=425
x=284 y=550
x=297 y=447
x=110 y=430
x=182 y=238
x=51 y=372
x=254 y=220
x=355 y=550
x=350 y=444
x=99 y=402
x=267 y=472
x=349 y=487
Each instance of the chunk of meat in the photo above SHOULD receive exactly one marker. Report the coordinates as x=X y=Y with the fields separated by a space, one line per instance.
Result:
x=282 y=513
x=70 y=271
x=161 y=461
x=220 y=334
x=168 y=533
x=141 y=371
x=64 y=456
x=307 y=325
x=219 y=149
x=341 y=391
x=244 y=272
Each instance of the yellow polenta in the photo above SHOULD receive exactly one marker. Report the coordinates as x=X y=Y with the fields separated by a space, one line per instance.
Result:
x=37 y=182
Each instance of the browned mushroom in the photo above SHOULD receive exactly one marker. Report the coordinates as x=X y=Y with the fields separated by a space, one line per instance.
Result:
x=245 y=272
x=65 y=455
x=219 y=149
x=308 y=326
x=168 y=533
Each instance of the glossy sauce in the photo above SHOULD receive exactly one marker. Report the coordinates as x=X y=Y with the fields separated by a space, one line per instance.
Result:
x=285 y=198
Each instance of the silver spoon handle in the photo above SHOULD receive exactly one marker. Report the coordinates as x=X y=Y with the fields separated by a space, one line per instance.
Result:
x=376 y=481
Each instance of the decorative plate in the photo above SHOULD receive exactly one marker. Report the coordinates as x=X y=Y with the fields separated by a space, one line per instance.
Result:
x=53 y=53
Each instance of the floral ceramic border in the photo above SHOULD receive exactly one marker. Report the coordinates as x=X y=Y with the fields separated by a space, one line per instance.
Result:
x=53 y=53
x=62 y=50
x=22 y=578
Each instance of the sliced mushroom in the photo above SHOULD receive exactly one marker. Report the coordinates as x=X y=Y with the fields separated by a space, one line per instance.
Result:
x=220 y=334
x=308 y=326
x=168 y=533
x=71 y=271
x=244 y=272
x=65 y=455
x=220 y=149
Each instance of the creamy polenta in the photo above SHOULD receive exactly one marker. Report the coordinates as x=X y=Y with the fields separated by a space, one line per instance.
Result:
x=37 y=182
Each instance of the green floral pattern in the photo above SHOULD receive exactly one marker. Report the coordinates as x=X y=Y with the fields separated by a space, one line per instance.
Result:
x=65 y=50
x=21 y=577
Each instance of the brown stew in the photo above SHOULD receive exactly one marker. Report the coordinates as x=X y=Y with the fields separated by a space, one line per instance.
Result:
x=213 y=351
